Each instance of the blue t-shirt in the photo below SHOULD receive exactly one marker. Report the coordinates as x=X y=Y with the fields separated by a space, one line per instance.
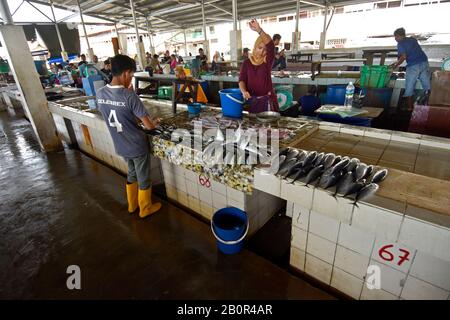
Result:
x=120 y=107
x=309 y=104
x=411 y=48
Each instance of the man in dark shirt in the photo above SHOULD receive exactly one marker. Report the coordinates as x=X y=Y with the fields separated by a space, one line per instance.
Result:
x=417 y=64
x=280 y=59
x=120 y=108
x=203 y=59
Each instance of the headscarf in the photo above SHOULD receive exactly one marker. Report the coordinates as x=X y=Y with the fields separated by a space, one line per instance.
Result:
x=257 y=60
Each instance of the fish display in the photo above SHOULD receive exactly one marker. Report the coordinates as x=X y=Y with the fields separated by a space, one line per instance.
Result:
x=348 y=177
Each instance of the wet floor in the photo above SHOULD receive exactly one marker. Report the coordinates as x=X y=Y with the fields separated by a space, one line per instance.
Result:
x=64 y=209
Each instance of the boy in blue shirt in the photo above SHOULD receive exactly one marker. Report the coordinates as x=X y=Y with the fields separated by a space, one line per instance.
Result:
x=417 y=64
x=309 y=103
x=120 y=108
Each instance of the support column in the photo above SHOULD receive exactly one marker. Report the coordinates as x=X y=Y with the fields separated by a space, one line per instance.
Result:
x=205 y=42
x=150 y=36
x=323 y=34
x=90 y=51
x=296 y=33
x=139 y=45
x=186 y=53
x=117 y=35
x=235 y=37
x=27 y=80
x=64 y=55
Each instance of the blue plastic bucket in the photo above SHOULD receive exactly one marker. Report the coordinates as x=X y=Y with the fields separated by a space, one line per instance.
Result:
x=194 y=108
x=232 y=102
x=229 y=226
x=336 y=94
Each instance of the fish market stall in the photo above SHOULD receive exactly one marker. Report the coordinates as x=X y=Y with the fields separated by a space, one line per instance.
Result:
x=358 y=197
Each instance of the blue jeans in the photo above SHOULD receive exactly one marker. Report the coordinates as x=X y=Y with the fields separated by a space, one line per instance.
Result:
x=419 y=71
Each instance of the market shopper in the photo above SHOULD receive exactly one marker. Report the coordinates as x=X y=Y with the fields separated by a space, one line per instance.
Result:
x=280 y=59
x=417 y=65
x=120 y=108
x=255 y=80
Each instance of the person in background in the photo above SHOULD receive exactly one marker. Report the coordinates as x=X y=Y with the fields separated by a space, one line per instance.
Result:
x=173 y=63
x=245 y=53
x=255 y=79
x=203 y=59
x=98 y=64
x=417 y=65
x=154 y=64
x=280 y=59
x=309 y=103
x=190 y=54
x=166 y=57
x=222 y=58
x=120 y=108
x=214 y=65
x=107 y=70
x=180 y=59
x=83 y=60
x=148 y=57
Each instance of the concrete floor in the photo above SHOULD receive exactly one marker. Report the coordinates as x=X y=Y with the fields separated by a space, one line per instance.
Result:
x=66 y=209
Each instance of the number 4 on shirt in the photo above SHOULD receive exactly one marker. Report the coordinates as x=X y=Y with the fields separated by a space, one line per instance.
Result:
x=115 y=123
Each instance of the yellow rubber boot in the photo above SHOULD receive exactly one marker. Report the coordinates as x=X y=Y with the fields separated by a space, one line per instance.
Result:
x=145 y=203
x=132 y=196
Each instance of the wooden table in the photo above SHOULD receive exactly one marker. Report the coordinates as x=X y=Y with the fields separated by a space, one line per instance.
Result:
x=317 y=65
x=369 y=54
x=296 y=57
x=338 y=55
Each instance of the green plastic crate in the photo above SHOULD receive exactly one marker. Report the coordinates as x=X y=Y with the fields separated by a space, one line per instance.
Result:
x=4 y=67
x=165 y=92
x=375 y=76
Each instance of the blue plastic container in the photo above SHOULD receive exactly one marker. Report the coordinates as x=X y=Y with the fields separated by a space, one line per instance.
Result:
x=229 y=226
x=194 y=108
x=336 y=94
x=232 y=102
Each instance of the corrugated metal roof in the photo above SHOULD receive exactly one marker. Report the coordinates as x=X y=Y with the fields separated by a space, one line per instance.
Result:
x=178 y=14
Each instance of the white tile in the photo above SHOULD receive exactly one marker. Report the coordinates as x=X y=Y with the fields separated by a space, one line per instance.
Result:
x=380 y=134
x=323 y=226
x=179 y=170
x=297 y=193
x=205 y=195
x=192 y=176
x=318 y=269
x=169 y=178
x=321 y=248
x=351 y=262
x=396 y=136
x=297 y=258
x=356 y=239
x=266 y=182
x=329 y=128
x=352 y=130
x=194 y=204
x=300 y=217
x=219 y=201
x=236 y=195
x=376 y=294
x=171 y=192
x=298 y=238
x=180 y=182
x=192 y=189
x=391 y=280
x=206 y=210
x=416 y=289
x=432 y=239
x=183 y=198
x=431 y=269
x=218 y=187
x=346 y=283
x=384 y=224
x=289 y=209
x=395 y=255
x=236 y=204
x=337 y=208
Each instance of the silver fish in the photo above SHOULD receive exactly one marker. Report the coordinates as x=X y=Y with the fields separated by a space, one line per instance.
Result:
x=328 y=181
x=285 y=151
x=329 y=160
x=302 y=155
x=360 y=171
x=286 y=166
x=366 y=192
x=369 y=171
x=298 y=174
x=314 y=174
x=379 y=176
x=338 y=167
x=352 y=164
x=344 y=184
x=354 y=188
x=337 y=160
x=310 y=158
x=292 y=154
x=293 y=169
x=319 y=159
